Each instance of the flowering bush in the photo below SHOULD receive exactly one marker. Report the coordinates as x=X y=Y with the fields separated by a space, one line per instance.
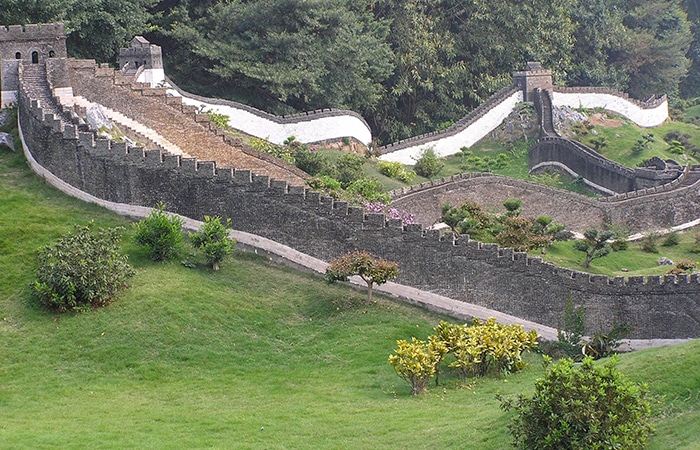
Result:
x=392 y=213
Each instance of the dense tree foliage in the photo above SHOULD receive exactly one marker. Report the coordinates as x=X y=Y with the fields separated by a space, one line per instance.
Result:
x=408 y=66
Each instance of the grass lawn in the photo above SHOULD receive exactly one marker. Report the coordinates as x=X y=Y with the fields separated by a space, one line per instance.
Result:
x=693 y=112
x=634 y=260
x=254 y=356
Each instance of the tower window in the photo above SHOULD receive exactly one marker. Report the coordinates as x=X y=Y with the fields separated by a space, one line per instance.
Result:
x=18 y=55
x=35 y=57
x=52 y=54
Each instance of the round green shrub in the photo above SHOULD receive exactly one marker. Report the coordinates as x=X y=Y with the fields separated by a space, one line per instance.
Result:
x=82 y=269
x=588 y=407
x=159 y=233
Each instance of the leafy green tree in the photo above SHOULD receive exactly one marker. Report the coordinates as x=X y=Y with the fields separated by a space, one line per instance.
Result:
x=591 y=407
x=213 y=240
x=428 y=164
x=369 y=189
x=370 y=269
x=570 y=332
x=425 y=87
x=661 y=37
x=600 y=37
x=417 y=361
x=348 y=169
x=159 y=233
x=594 y=245
x=95 y=28
x=306 y=53
x=82 y=269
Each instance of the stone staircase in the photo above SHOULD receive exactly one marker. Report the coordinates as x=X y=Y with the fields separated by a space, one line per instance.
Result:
x=134 y=126
x=176 y=123
x=546 y=114
x=36 y=85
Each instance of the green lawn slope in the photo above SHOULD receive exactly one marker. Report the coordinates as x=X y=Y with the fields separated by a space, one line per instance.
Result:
x=254 y=356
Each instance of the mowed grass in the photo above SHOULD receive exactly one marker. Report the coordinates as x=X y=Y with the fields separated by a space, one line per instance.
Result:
x=630 y=262
x=254 y=356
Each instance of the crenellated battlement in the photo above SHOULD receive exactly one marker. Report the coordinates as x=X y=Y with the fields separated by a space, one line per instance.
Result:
x=458 y=267
x=42 y=31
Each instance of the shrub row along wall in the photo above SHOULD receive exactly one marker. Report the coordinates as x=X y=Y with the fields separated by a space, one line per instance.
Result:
x=654 y=208
x=657 y=307
x=309 y=127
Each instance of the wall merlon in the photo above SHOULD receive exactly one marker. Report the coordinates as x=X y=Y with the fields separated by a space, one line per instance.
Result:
x=188 y=166
x=506 y=253
x=70 y=132
x=261 y=183
x=340 y=209
x=174 y=101
x=654 y=280
x=206 y=169
x=202 y=118
x=356 y=214
x=297 y=190
x=87 y=139
x=279 y=187
x=432 y=236
x=636 y=281
x=154 y=157
x=243 y=177
x=135 y=154
x=224 y=174
x=617 y=281
x=103 y=147
x=171 y=161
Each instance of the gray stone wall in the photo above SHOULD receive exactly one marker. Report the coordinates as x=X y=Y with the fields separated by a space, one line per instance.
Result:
x=657 y=307
x=47 y=40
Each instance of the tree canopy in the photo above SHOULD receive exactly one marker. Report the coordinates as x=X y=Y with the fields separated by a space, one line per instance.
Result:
x=408 y=66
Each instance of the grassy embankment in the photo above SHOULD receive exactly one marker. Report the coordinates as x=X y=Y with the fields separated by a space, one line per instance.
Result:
x=253 y=356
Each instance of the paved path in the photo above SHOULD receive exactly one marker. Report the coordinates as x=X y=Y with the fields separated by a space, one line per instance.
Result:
x=289 y=256
x=137 y=127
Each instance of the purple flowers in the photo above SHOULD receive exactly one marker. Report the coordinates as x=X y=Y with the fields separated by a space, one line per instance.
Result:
x=392 y=213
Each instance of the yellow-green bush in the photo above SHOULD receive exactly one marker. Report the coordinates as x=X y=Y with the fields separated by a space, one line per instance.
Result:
x=486 y=346
x=417 y=361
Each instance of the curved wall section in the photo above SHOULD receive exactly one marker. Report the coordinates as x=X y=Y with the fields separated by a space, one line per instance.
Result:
x=315 y=126
x=483 y=274
x=648 y=114
x=467 y=132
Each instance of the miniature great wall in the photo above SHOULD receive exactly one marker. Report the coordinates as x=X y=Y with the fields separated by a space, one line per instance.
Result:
x=267 y=197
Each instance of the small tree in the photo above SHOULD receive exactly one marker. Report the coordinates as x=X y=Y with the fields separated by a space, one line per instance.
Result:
x=370 y=269
x=212 y=239
x=159 y=233
x=428 y=164
x=417 y=361
x=593 y=407
x=83 y=269
x=594 y=245
x=513 y=206
x=570 y=333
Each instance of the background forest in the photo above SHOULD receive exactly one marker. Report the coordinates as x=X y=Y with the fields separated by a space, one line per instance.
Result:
x=408 y=66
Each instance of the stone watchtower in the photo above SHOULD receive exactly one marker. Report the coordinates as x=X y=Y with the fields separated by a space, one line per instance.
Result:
x=43 y=44
x=142 y=60
x=533 y=77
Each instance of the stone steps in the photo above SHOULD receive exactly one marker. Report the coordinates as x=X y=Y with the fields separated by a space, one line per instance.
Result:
x=136 y=127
